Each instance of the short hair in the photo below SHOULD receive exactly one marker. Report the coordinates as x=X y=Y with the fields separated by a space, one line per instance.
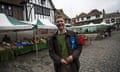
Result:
x=59 y=16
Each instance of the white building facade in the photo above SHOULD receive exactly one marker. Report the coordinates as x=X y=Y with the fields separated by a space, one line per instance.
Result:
x=113 y=18
x=39 y=9
x=95 y=16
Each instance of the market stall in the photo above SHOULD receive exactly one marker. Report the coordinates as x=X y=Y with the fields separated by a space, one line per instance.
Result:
x=93 y=31
x=9 y=24
x=41 y=31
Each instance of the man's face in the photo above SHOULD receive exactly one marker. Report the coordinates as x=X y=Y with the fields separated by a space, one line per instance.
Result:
x=60 y=23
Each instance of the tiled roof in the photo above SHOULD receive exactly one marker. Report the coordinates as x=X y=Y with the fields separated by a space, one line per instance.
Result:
x=94 y=12
x=82 y=15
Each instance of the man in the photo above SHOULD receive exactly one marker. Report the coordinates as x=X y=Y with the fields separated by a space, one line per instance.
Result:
x=64 y=48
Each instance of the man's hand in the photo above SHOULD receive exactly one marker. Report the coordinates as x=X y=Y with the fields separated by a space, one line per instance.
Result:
x=63 y=61
x=69 y=59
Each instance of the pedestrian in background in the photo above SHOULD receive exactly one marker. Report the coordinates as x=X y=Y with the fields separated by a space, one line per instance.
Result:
x=109 y=30
x=82 y=39
x=65 y=48
x=6 y=39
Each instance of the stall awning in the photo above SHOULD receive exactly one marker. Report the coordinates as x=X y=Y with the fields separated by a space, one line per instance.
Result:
x=10 y=23
x=15 y=21
x=48 y=24
x=43 y=24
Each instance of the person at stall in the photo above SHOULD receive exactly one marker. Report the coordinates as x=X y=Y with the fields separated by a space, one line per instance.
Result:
x=64 y=48
x=6 y=39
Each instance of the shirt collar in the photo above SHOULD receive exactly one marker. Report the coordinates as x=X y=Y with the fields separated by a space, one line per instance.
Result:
x=62 y=33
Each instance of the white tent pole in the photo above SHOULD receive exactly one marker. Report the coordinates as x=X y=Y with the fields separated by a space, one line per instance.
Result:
x=35 y=36
x=16 y=35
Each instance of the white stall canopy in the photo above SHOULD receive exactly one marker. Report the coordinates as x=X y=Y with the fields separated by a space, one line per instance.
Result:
x=47 y=24
x=43 y=24
x=10 y=23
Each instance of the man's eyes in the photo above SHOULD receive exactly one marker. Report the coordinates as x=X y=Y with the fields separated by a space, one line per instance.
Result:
x=59 y=21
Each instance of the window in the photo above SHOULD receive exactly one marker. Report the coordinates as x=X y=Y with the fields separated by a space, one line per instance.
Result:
x=46 y=11
x=118 y=20
x=42 y=10
x=88 y=17
x=97 y=16
x=38 y=10
x=82 y=18
x=107 y=21
x=10 y=10
x=2 y=8
x=77 y=19
x=6 y=9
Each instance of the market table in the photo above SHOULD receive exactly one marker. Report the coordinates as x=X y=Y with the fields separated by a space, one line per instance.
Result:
x=29 y=48
x=10 y=53
x=6 y=54
x=23 y=50
x=39 y=46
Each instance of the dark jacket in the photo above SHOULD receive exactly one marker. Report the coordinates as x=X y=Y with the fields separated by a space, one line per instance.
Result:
x=55 y=51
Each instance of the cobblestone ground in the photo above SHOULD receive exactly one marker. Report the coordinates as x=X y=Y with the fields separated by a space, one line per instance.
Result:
x=100 y=56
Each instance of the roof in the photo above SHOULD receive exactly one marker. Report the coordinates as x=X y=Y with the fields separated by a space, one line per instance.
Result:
x=15 y=21
x=42 y=23
x=47 y=24
x=111 y=15
x=94 y=12
x=60 y=12
x=4 y=21
x=82 y=15
x=9 y=23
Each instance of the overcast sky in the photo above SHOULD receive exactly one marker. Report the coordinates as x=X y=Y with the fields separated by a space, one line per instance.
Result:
x=75 y=7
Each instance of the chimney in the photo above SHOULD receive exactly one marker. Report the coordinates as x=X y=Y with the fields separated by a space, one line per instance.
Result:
x=103 y=13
